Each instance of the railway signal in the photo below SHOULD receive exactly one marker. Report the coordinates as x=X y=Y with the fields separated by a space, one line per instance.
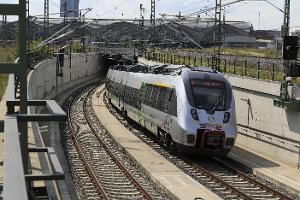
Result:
x=290 y=53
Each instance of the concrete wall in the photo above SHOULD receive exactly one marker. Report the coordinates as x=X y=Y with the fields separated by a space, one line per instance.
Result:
x=44 y=84
x=265 y=129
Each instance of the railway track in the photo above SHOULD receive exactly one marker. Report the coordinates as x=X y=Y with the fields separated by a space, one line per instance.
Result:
x=219 y=176
x=99 y=167
x=224 y=177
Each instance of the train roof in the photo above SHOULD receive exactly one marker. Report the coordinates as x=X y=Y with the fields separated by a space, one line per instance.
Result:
x=162 y=69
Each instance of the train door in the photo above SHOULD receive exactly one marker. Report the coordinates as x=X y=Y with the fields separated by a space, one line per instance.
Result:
x=123 y=92
x=119 y=95
x=167 y=108
x=140 y=101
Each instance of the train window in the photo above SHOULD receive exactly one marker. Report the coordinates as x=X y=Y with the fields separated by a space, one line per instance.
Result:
x=170 y=102
x=154 y=96
x=116 y=89
x=161 y=98
x=209 y=95
x=173 y=104
x=132 y=97
x=141 y=98
x=167 y=100
x=119 y=90
x=122 y=88
x=129 y=95
x=136 y=96
x=148 y=90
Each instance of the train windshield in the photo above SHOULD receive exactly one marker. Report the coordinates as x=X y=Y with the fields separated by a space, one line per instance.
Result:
x=209 y=95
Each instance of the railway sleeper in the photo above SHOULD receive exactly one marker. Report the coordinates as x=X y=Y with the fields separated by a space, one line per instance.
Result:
x=118 y=183
x=129 y=190
x=120 y=193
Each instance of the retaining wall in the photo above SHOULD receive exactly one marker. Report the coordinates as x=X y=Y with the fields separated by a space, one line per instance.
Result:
x=268 y=130
x=44 y=84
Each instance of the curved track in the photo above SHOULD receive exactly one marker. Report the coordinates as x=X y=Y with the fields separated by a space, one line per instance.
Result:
x=98 y=171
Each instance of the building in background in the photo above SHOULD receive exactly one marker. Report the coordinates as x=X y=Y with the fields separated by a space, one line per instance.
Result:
x=296 y=33
x=70 y=6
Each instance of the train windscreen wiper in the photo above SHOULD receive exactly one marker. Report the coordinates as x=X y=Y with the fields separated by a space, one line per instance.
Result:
x=216 y=105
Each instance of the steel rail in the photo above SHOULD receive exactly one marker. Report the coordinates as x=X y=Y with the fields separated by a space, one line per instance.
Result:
x=219 y=180
x=253 y=181
x=88 y=168
x=115 y=159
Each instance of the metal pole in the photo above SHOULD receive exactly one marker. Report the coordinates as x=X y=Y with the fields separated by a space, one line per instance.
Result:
x=217 y=38
x=23 y=81
x=285 y=32
x=46 y=19
x=152 y=15
x=65 y=11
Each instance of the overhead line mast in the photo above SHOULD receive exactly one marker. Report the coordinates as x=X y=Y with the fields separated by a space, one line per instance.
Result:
x=286 y=20
x=286 y=63
x=141 y=21
x=217 y=35
x=46 y=19
x=152 y=15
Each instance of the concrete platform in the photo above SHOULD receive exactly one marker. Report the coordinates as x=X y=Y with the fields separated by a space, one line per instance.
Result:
x=162 y=172
x=281 y=175
x=2 y=114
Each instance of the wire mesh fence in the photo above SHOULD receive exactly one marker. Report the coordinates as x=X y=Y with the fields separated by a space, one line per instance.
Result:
x=255 y=67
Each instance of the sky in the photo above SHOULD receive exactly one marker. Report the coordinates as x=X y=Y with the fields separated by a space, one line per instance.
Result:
x=261 y=14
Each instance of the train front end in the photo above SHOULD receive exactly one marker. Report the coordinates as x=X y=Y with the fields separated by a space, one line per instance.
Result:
x=210 y=120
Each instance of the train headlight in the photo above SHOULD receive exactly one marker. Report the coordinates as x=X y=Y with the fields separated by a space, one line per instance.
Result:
x=226 y=117
x=194 y=114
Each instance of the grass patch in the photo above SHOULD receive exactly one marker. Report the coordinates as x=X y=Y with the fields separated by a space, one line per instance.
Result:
x=269 y=53
x=7 y=55
x=3 y=84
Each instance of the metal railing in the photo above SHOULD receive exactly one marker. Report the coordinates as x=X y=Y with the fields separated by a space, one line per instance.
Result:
x=16 y=180
x=255 y=67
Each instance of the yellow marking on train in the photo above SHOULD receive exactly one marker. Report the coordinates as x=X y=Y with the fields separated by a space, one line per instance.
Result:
x=161 y=85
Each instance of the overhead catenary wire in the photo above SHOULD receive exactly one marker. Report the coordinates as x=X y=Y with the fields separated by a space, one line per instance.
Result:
x=58 y=13
x=110 y=10
x=48 y=41
x=163 y=19
x=228 y=3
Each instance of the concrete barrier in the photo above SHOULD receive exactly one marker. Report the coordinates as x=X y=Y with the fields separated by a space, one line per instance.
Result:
x=265 y=129
x=44 y=84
